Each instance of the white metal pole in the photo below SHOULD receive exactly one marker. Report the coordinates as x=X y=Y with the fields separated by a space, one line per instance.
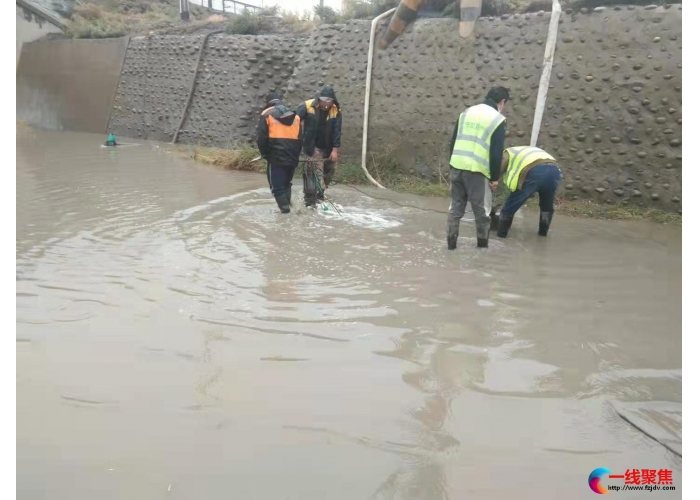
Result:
x=546 y=71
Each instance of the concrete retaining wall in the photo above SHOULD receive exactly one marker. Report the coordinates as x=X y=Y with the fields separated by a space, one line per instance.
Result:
x=154 y=86
x=235 y=74
x=613 y=116
x=68 y=84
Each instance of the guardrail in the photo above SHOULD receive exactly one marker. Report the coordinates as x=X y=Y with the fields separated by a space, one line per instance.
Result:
x=227 y=6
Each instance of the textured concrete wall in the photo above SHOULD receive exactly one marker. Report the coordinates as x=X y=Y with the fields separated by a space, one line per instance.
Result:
x=337 y=55
x=614 y=112
x=68 y=84
x=613 y=117
x=154 y=86
x=235 y=74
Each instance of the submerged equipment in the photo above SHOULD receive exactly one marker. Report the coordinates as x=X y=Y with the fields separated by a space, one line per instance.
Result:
x=325 y=198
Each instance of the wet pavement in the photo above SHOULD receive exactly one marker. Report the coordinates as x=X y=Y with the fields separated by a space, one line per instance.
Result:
x=179 y=338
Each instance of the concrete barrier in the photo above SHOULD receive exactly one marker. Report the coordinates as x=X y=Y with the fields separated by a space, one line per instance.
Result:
x=68 y=84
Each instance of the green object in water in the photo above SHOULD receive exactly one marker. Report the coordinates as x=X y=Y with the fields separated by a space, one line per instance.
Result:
x=111 y=138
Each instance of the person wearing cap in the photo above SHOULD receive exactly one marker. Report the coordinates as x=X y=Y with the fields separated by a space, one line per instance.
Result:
x=279 y=142
x=475 y=163
x=322 y=123
x=528 y=170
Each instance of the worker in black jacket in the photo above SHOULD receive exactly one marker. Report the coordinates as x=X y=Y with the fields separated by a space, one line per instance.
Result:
x=322 y=121
x=279 y=142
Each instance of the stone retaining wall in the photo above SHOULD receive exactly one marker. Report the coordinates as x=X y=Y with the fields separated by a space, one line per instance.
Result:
x=154 y=86
x=613 y=115
x=235 y=74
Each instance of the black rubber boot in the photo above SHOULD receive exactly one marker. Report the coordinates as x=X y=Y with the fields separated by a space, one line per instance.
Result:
x=289 y=195
x=483 y=228
x=309 y=189
x=545 y=221
x=504 y=225
x=310 y=199
x=494 y=221
x=452 y=235
x=283 y=203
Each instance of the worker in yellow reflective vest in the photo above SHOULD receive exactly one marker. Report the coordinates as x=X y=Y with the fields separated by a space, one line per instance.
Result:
x=475 y=164
x=527 y=170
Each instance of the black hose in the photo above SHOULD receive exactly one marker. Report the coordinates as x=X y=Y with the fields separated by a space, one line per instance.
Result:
x=646 y=433
x=397 y=203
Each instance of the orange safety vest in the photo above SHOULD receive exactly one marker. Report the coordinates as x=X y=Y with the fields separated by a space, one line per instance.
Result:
x=277 y=130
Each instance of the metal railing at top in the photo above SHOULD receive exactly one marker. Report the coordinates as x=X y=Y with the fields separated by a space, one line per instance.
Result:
x=227 y=6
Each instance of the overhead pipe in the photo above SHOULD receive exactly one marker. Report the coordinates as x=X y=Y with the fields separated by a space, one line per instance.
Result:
x=405 y=14
x=469 y=12
x=368 y=88
x=546 y=71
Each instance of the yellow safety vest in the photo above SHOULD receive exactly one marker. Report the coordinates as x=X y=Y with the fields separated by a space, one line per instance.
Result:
x=473 y=143
x=518 y=159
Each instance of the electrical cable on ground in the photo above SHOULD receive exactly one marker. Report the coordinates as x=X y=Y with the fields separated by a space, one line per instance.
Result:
x=397 y=203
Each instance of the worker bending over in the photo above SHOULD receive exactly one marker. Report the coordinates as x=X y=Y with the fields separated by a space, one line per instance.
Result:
x=322 y=121
x=475 y=164
x=279 y=142
x=528 y=169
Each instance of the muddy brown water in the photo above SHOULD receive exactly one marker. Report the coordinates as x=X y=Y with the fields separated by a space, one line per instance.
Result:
x=179 y=338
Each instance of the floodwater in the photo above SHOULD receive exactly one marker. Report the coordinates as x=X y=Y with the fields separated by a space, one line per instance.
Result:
x=178 y=338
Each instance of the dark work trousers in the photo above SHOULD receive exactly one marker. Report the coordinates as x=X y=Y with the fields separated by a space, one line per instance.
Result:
x=280 y=179
x=543 y=179
x=474 y=188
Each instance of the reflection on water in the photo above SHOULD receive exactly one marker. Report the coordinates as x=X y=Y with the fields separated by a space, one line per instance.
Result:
x=178 y=335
